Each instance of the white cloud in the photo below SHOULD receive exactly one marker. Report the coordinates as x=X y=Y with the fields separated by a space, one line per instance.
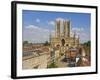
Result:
x=38 y=34
x=37 y=20
x=36 y=28
x=84 y=35
x=60 y=19
x=32 y=27
x=35 y=34
x=77 y=29
x=51 y=23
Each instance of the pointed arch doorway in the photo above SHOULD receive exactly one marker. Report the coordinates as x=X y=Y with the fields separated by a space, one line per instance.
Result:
x=63 y=42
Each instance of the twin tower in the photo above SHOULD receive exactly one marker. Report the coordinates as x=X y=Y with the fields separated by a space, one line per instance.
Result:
x=63 y=35
x=62 y=28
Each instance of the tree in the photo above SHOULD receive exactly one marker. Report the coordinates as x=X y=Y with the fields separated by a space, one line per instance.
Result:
x=46 y=43
x=25 y=42
x=87 y=47
x=52 y=65
x=88 y=43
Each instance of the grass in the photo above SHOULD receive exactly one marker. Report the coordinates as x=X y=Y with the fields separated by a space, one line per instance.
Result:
x=52 y=65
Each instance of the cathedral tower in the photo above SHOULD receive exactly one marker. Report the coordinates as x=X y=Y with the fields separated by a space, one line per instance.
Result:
x=67 y=23
x=57 y=30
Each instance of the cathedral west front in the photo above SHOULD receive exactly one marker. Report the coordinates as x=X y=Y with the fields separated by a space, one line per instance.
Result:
x=63 y=37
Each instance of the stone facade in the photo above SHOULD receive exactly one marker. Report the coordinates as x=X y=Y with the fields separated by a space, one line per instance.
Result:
x=62 y=37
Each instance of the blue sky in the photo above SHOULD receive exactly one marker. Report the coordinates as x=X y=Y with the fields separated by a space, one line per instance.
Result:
x=37 y=25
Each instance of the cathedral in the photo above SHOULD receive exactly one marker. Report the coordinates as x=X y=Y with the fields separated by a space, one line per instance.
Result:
x=63 y=37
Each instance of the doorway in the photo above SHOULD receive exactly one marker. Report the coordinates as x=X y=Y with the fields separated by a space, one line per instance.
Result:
x=63 y=42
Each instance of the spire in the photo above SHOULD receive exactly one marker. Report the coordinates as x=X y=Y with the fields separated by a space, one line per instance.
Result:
x=74 y=35
x=78 y=37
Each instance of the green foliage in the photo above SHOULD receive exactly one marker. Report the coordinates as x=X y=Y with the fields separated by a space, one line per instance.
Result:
x=87 y=43
x=62 y=54
x=25 y=42
x=52 y=65
x=46 y=43
x=87 y=47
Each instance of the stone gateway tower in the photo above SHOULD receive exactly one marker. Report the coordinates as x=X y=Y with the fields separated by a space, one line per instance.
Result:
x=62 y=37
